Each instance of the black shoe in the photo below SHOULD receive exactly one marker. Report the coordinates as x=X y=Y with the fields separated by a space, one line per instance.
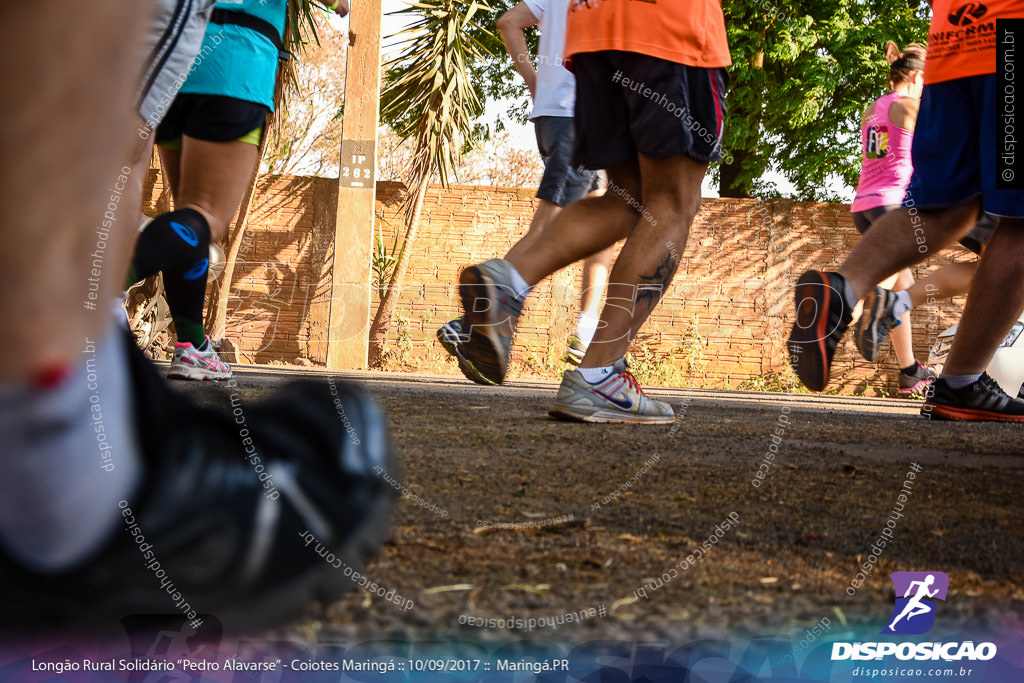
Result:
x=222 y=520
x=822 y=317
x=983 y=400
x=875 y=322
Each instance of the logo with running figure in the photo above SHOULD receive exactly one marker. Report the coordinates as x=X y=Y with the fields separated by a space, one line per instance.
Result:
x=914 y=612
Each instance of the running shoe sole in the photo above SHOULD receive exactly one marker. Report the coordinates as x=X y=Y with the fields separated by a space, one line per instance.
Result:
x=918 y=388
x=575 y=356
x=809 y=337
x=194 y=373
x=483 y=352
x=938 y=411
x=444 y=336
x=606 y=416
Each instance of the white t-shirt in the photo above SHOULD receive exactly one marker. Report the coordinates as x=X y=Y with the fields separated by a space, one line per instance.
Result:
x=556 y=86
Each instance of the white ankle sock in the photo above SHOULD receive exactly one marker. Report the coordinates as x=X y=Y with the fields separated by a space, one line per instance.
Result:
x=70 y=455
x=902 y=305
x=586 y=326
x=598 y=374
x=518 y=283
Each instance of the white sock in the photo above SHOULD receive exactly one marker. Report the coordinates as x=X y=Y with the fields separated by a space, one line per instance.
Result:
x=586 y=326
x=960 y=381
x=598 y=374
x=902 y=305
x=70 y=455
x=518 y=283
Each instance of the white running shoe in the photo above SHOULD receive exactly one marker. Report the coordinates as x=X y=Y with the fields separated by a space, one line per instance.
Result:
x=617 y=398
x=191 y=363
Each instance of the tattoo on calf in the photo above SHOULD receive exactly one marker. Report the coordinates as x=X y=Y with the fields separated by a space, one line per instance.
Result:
x=653 y=286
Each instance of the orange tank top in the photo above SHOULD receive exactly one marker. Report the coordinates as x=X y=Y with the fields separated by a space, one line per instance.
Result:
x=688 y=32
x=962 y=37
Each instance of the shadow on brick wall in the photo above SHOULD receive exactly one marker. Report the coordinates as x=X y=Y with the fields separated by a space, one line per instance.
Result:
x=722 y=323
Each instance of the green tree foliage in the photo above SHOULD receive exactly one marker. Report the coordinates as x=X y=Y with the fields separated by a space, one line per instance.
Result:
x=802 y=73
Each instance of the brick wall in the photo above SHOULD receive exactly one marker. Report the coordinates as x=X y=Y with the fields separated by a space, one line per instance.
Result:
x=729 y=307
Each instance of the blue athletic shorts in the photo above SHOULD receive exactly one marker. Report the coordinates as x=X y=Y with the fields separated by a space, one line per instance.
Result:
x=562 y=183
x=954 y=149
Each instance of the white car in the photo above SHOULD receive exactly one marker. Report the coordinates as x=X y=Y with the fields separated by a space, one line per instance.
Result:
x=1007 y=366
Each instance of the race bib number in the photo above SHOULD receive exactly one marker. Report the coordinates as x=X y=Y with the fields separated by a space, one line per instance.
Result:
x=877 y=143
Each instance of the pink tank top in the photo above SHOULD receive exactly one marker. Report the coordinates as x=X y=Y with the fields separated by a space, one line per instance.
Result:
x=885 y=161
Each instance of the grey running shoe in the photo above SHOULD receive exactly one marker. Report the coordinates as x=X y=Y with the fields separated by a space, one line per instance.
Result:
x=982 y=401
x=452 y=337
x=617 y=398
x=577 y=350
x=875 y=322
x=915 y=382
x=492 y=310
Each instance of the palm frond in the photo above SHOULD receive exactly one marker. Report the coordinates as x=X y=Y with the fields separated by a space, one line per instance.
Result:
x=429 y=94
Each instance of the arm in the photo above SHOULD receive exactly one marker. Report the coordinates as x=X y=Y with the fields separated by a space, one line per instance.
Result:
x=511 y=25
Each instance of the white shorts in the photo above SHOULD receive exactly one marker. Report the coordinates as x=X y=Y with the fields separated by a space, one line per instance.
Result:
x=173 y=39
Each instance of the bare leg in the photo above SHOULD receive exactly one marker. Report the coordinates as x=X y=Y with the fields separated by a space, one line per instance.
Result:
x=648 y=260
x=542 y=218
x=595 y=275
x=892 y=242
x=595 y=279
x=58 y=176
x=214 y=176
x=581 y=229
x=944 y=283
x=64 y=142
x=170 y=161
x=902 y=334
x=987 y=319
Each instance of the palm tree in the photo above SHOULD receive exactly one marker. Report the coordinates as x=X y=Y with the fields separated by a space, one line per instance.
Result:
x=430 y=99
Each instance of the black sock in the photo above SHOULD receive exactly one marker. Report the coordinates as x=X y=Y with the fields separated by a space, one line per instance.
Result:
x=178 y=244
x=910 y=369
x=186 y=295
x=172 y=241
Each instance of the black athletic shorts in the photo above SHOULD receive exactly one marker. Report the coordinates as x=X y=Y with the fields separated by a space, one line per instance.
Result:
x=214 y=118
x=629 y=104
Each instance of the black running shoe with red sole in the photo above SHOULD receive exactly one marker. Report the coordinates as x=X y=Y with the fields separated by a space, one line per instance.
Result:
x=982 y=401
x=822 y=317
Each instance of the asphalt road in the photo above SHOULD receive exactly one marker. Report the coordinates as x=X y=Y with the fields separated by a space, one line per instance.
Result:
x=508 y=514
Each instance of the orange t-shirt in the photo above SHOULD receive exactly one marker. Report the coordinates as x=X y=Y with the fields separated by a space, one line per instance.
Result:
x=962 y=37
x=689 y=32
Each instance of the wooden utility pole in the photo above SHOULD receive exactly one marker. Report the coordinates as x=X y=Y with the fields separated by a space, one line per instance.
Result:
x=348 y=332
